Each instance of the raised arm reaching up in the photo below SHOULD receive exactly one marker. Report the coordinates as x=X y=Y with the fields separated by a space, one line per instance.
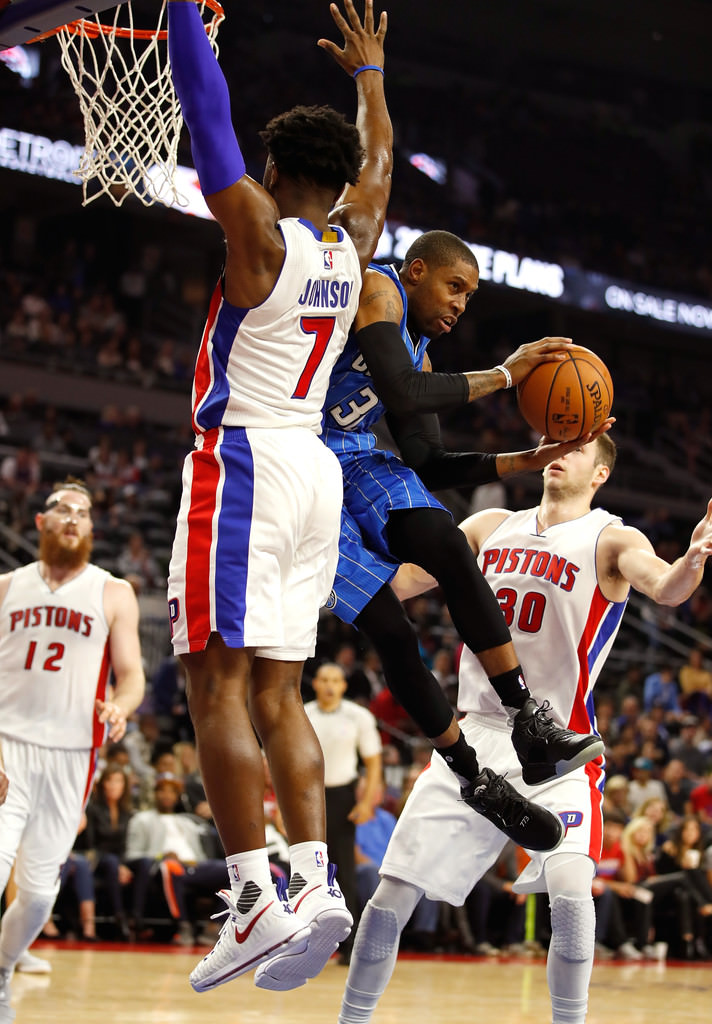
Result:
x=327 y=158
x=361 y=208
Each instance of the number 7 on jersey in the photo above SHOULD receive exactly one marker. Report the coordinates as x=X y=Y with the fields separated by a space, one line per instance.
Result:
x=323 y=328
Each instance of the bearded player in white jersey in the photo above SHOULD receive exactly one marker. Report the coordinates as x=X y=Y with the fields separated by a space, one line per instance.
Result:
x=562 y=573
x=257 y=536
x=64 y=623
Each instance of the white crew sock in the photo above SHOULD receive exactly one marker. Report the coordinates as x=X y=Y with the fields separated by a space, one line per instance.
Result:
x=252 y=866
x=308 y=859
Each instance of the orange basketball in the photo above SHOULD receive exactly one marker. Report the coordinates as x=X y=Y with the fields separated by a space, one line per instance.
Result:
x=567 y=399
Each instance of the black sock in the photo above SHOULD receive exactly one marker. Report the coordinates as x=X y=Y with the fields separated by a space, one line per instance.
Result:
x=461 y=758
x=511 y=688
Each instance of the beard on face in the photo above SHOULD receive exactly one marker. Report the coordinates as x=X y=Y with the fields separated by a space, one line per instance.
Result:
x=53 y=552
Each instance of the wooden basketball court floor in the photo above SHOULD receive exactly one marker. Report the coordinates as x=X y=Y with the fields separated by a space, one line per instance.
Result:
x=120 y=985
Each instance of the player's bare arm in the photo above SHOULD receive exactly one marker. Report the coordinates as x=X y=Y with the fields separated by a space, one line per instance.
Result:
x=379 y=302
x=246 y=212
x=519 y=364
x=626 y=557
x=510 y=463
x=121 y=609
x=361 y=208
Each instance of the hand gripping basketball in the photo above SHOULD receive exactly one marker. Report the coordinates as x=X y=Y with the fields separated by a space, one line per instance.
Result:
x=531 y=355
x=569 y=398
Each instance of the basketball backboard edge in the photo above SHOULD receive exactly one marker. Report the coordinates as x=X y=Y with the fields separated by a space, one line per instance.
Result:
x=22 y=20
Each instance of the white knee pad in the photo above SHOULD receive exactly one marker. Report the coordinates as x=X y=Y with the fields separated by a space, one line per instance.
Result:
x=22 y=922
x=573 y=927
x=34 y=904
x=377 y=934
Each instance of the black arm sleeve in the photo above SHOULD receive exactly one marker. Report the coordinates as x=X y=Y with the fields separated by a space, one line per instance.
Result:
x=418 y=438
x=398 y=384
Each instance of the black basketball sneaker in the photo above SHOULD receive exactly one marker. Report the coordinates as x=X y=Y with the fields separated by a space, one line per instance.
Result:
x=525 y=823
x=545 y=750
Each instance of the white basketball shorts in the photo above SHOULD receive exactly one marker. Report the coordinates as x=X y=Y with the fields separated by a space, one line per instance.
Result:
x=40 y=818
x=256 y=541
x=443 y=847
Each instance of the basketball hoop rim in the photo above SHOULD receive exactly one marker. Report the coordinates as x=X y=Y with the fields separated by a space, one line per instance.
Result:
x=93 y=29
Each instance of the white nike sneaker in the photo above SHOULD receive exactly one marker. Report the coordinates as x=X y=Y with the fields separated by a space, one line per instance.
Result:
x=253 y=931
x=7 y=1013
x=28 y=963
x=322 y=906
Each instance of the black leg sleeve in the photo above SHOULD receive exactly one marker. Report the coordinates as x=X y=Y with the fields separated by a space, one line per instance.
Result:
x=429 y=538
x=389 y=629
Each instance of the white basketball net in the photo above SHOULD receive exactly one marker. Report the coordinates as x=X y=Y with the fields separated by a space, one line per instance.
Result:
x=132 y=118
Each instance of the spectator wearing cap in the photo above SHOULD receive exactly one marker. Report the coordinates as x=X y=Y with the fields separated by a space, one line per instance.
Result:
x=685 y=747
x=660 y=689
x=643 y=786
x=175 y=850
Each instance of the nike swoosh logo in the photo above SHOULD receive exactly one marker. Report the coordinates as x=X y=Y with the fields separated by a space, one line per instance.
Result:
x=304 y=895
x=240 y=937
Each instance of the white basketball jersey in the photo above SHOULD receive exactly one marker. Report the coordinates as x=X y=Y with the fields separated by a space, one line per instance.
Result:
x=54 y=659
x=269 y=366
x=562 y=626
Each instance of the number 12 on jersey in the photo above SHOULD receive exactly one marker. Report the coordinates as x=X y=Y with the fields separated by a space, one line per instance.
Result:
x=51 y=662
x=323 y=328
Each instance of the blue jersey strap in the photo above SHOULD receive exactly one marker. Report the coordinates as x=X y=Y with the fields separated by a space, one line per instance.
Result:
x=204 y=98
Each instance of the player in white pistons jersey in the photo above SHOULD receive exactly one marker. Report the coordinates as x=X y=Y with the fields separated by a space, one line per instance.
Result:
x=562 y=574
x=48 y=635
x=257 y=535
x=547 y=587
x=64 y=623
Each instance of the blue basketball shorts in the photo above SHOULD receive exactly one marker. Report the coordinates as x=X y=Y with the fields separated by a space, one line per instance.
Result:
x=375 y=483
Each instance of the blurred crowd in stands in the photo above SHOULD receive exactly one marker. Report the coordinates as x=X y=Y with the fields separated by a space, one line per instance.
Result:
x=497 y=132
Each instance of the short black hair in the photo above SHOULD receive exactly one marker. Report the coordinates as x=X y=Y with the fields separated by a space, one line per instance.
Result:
x=316 y=144
x=440 y=249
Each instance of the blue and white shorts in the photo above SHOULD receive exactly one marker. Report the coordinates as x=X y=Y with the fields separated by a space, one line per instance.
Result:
x=375 y=483
x=256 y=542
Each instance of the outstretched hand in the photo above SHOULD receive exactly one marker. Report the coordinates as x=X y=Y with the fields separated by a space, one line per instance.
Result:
x=546 y=350
x=549 y=451
x=701 y=541
x=363 y=44
x=114 y=717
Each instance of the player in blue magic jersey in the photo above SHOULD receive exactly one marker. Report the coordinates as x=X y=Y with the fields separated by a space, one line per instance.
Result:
x=390 y=516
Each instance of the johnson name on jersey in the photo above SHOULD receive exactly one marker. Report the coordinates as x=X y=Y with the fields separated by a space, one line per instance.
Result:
x=269 y=366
